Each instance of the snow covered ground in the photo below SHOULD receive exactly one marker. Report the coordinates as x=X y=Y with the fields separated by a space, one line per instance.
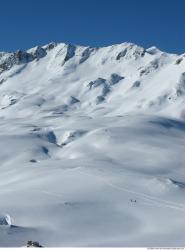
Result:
x=92 y=144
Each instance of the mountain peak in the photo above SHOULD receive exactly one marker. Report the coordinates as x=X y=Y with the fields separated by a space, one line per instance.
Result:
x=153 y=50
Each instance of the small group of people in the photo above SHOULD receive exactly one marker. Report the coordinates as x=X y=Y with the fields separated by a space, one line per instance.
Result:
x=133 y=200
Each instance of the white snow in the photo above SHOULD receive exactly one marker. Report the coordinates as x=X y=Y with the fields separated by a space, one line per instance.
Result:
x=83 y=131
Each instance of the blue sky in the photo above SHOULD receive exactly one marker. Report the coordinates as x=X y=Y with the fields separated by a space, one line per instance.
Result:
x=27 y=23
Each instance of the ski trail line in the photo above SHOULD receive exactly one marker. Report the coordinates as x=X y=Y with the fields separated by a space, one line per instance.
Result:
x=153 y=199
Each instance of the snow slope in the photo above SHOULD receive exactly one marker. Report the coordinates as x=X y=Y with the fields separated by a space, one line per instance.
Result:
x=84 y=133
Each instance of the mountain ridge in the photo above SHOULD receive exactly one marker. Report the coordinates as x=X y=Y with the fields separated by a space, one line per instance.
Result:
x=135 y=67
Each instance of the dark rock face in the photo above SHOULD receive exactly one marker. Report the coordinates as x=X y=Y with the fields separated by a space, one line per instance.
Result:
x=121 y=54
x=69 y=53
x=86 y=54
x=115 y=78
x=31 y=243
x=180 y=90
x=38 y=53
x=98 y=82
x=136 y=84
x=178 y=61
x=7 y=63
x=20 y=57
x=51 y=46
x=2 y=81
x=131 y=51
x=104 y=86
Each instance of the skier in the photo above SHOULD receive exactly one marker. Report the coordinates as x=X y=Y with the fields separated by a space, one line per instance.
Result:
x=133 y=200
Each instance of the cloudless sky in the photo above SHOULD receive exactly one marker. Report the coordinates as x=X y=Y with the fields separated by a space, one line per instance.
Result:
x=27 y=23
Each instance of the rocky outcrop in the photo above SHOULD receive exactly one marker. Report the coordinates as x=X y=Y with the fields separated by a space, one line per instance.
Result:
x=8 y=60
x=70 y=52
x=31 y=243
x=132 y=51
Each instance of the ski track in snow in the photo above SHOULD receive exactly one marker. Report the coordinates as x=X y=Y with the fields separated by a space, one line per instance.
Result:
x=154 y=200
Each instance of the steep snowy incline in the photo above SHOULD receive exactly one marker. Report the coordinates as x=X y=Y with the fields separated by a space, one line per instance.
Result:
x=92 y=145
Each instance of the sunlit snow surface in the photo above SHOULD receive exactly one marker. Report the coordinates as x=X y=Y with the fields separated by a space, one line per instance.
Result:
x=92 y=144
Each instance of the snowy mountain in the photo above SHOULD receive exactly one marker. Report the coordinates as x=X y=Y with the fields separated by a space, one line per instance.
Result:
x=60 y=78
x=92 y=146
